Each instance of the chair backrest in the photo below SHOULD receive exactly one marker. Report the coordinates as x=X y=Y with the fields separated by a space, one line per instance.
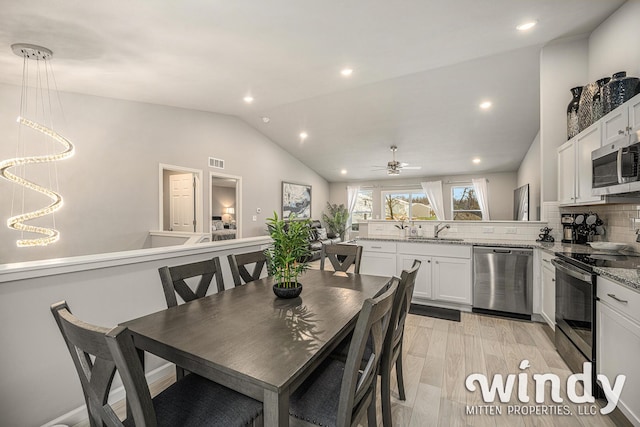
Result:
x=97 y=353
x=350 y=254
x=360 y=373
x=239 y=262
x=401 y=305
x=173 y=280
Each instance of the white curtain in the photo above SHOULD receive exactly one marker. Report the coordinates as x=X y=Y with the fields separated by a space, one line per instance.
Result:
x=352 y=197
x=433 y=190
x=481 y=188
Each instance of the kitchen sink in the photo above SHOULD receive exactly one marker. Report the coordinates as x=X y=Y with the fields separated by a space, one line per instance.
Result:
x=437 y=239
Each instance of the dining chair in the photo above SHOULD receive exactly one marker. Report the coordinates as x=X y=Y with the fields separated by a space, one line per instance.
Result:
x=99 y=352
x=339 y=392
x=342 y=257
x=239 y=263
x=173 y=282
x=392 y=348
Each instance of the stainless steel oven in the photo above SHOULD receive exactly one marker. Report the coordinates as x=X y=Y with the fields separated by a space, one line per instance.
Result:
x=575 y=313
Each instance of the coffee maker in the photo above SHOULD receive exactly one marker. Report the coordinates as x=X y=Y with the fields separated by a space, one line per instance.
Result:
x=568 y=227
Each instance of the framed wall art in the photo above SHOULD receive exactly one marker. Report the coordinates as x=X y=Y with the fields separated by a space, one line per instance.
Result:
x=296 y=199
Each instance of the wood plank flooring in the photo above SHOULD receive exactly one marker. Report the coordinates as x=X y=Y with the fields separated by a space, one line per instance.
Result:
x=438 y=356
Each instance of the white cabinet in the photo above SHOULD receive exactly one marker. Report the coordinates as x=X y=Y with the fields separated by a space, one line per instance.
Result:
x=574 y=167
x=423 y=287
x=548 y=297
x=452 y=280
x=618 y=341
x=378 y=257
x=621 y=121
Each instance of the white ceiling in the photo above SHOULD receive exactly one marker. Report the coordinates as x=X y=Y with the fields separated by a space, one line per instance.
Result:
x=420 y=70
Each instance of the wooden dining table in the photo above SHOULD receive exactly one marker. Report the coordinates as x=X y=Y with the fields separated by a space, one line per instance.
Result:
x=255 y=343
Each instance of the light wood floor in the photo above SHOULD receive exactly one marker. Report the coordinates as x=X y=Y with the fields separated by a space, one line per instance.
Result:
x=438 y=356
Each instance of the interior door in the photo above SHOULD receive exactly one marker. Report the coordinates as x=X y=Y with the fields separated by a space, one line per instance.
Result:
x=182 y=202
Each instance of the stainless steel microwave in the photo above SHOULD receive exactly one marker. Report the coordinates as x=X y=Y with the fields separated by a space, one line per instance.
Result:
x=616 y=167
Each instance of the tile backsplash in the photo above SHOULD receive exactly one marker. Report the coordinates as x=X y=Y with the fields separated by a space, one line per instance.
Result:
x=618 y=222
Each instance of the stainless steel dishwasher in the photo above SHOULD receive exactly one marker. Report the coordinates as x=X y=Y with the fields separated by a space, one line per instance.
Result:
x=502 y=281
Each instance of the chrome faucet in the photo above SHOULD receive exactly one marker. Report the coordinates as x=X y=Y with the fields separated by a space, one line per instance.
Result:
x=438 y=228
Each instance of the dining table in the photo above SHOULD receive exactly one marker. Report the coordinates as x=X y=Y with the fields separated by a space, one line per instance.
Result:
x=251 y=341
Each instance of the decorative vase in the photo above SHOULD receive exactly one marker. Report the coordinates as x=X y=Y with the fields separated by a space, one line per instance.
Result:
x=619 y=90
x=572 y=113
x=287 y=293
x=585 y=106
x=597 y=108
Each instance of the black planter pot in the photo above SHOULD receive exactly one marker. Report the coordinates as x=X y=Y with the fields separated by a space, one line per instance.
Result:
x=618 y=91
x=287 y=292
x=572 y=113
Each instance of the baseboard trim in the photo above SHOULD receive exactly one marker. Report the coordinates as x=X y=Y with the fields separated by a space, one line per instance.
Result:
x=80 y=414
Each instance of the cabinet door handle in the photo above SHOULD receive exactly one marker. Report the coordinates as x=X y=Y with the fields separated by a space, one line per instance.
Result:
x=376 y=247
x=553 y=280
x=620 y=132
x=429 y=261
x=629 y=129
x=617 y=299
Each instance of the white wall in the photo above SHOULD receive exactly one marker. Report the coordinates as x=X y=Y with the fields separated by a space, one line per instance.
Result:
x=529 y=173
x=615 y=45
x=501 y=186
x=110 y=187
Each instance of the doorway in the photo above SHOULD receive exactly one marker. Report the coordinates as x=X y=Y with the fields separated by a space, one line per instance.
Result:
x=180 y=199
x=225 y=207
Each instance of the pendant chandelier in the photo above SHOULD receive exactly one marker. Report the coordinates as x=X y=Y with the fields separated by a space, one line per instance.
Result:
x=38 y=147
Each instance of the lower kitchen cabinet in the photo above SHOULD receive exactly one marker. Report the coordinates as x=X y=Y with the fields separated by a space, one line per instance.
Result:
x=618 y=343
x=424 y=285
x=378 y=263
x=548 y=303
x=452 y=280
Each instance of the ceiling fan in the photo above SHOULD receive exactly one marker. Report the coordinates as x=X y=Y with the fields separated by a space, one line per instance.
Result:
x=394 y=167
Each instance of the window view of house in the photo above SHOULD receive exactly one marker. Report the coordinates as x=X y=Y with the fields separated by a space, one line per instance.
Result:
x=364 y=207
x=464 y=204
x=407 y=205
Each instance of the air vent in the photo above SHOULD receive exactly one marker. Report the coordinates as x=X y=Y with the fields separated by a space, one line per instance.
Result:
x=216 y=163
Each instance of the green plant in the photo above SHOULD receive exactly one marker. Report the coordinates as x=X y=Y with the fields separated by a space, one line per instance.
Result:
x=288 y=254
x=336 y=219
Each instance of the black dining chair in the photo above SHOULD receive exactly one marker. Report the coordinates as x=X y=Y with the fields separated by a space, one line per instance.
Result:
x=174 y=282
x=342 y=257
x=392 y=349
x=99 y=352
x=339 y=392
x=239 y=262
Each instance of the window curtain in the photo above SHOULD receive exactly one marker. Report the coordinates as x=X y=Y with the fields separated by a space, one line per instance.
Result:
x=352 y=197
x=433 y=190
x=481 y=188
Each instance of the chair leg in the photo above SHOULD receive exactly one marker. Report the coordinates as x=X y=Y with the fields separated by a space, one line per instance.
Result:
x=400 y=375
x=385 y=394
x=372 y=420
x=179 y=373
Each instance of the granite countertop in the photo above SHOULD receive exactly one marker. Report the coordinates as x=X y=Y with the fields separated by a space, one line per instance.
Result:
x=627 y=277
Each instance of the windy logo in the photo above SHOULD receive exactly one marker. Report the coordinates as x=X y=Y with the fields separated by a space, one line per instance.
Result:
x=504 y=389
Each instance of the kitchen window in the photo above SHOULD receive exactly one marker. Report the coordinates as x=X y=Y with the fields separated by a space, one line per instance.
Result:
x=407 y=205
x=464 y=204
x=364 y=207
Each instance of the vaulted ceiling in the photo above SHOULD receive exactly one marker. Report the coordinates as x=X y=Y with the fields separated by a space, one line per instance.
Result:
x=420 y=70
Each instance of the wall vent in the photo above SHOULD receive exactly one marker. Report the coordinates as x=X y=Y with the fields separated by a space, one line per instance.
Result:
x=216 y=163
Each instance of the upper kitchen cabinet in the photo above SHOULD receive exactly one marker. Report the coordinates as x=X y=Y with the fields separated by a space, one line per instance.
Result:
x=622 y=121
x=574 y=167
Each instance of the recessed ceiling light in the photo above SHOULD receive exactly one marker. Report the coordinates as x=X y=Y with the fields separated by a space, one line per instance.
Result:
x=476 y=160
x=526 y=26
x=346 y=72
x=485 y=105
x=303 y=135
x=265 y=119
x=248 y=99
x=343 y=171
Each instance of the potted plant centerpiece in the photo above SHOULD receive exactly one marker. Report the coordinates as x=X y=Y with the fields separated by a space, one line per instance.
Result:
x=288 y=255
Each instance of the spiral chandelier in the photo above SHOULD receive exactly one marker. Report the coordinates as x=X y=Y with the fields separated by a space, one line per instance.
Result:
x=36 y=119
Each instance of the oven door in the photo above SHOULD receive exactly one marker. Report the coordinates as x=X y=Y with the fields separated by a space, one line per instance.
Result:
x=575 y=305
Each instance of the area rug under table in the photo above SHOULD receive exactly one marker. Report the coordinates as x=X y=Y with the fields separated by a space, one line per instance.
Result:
x=438 y=312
